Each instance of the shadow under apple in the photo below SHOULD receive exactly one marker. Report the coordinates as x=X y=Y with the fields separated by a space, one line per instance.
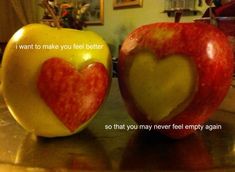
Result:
x=150 y=151
x=204 y=150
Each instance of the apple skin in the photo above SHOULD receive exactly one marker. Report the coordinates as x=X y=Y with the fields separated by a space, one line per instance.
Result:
x=208 y=50
x=21 y=68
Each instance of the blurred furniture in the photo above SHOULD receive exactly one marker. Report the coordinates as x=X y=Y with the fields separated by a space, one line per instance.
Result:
x=187 y=7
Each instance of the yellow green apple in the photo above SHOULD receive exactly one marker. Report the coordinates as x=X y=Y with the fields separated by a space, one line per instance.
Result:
x=55 y=79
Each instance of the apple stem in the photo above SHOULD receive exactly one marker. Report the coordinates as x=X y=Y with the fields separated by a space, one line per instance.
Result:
x=213 y=20
x=56 y=19
x=178 y=15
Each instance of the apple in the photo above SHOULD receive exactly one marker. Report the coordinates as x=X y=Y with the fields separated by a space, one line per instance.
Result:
x=174 y=73
x=55 y=79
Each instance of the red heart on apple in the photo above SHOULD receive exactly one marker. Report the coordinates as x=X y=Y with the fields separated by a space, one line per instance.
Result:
x=74 y=96
x=174 y=73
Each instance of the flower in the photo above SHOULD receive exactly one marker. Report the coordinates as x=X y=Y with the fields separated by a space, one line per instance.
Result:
x=67 y=14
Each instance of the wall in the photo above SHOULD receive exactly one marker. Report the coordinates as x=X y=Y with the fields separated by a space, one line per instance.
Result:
x=118 y=23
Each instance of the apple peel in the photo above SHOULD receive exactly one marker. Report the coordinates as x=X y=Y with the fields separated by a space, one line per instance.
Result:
x=74 y=96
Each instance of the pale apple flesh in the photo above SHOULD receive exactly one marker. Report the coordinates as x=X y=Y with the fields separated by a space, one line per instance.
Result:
x=156 y=91
x=21 y=68
x=167 y=87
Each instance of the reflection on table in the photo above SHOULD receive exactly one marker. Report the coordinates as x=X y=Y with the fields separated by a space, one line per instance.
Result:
x=97 y=148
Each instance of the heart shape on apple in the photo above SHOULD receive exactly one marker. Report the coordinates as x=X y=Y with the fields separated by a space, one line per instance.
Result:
x=174 y=73
x=56 y=84
x=73 y=96
x=168 y=93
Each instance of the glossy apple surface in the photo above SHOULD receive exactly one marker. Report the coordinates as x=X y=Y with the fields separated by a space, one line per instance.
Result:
x=55 y=90
x=174 y=73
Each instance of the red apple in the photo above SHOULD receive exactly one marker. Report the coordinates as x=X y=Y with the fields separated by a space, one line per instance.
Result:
x=174 y=73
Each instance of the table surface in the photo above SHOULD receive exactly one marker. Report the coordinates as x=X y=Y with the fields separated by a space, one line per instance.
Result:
x=99 y=148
